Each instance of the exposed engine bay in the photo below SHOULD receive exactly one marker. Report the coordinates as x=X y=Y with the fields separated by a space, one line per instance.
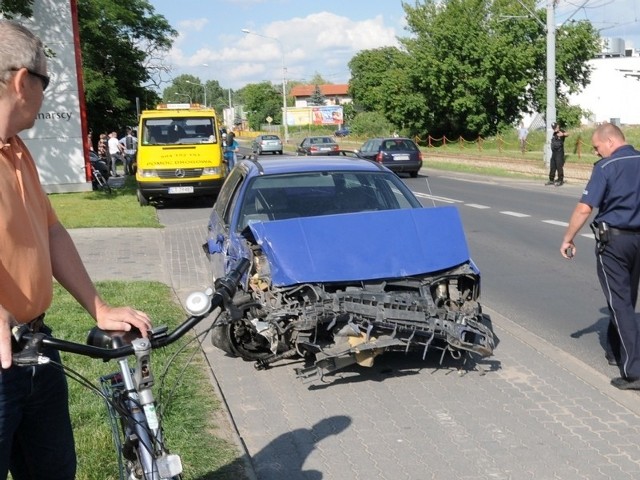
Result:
x=336 y=324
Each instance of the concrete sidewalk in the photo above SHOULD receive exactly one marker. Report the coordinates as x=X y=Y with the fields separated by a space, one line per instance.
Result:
x=529 y=412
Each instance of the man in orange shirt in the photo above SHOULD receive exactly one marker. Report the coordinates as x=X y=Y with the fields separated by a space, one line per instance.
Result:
x=36 y=440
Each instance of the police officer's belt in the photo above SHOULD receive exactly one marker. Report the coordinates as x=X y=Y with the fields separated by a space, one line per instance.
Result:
x=619 y=231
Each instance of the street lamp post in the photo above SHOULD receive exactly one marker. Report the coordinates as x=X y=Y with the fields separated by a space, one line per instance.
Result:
x=204 y=87
x=184 y=95
x=284 y=82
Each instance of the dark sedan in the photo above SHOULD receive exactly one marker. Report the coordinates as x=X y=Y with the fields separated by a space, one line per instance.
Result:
x=397 y=154
x=318 y=146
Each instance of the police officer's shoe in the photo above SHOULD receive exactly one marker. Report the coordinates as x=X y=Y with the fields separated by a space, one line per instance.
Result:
x=559 y=183
x=550 y=182
x=611 y=358
x=626 y=383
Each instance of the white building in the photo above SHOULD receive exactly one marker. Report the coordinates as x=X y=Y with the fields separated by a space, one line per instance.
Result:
x=614 y=92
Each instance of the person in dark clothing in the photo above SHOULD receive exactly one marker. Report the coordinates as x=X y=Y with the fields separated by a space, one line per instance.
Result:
x=614 y=189
x=557 y=156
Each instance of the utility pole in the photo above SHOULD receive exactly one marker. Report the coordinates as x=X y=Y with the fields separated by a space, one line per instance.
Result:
x=551 y=77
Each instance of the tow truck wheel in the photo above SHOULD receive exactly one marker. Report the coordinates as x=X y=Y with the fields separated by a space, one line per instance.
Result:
x=142 y=200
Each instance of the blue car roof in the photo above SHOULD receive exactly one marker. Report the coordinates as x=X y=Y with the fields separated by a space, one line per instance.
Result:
x=294 y=164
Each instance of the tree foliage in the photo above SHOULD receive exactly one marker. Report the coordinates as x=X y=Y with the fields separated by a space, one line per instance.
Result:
x=188 y=88
x=469 y=67
x=261 y=100
x=317 y=98
x=12 y=8
x=122 y=44
x=118 y=38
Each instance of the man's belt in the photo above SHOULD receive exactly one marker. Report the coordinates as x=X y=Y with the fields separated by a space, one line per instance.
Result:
x=36 y=324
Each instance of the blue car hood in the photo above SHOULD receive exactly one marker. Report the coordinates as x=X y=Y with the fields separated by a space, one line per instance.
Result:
x=362 y=246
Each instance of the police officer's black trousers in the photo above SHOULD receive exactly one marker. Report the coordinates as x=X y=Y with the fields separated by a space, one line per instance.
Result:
x=556 y=164
x=618 y=267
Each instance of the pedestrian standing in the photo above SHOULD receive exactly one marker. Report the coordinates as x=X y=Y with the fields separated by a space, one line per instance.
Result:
x=523 y=133
x=115 y=152
x=557 y=155
x=36 y=438
x=614 y=189
x=130 y=145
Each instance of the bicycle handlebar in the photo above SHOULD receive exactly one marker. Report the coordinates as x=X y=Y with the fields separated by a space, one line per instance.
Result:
x=111 y=345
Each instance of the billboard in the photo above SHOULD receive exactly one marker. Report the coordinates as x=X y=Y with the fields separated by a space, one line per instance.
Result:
x=57 y=141
x=321 y=115
x=327 y=115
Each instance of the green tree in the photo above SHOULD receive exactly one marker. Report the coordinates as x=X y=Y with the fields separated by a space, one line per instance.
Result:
x=118 y=38
x=317 y=98
x=470 y=67
x=369 y=68
x=12 y=8
x=261 y=100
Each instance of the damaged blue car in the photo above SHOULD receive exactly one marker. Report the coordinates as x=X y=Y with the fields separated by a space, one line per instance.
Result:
x=346 y=264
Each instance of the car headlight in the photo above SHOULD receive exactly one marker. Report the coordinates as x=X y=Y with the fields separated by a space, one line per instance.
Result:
x=212 y=171
x=147 y=173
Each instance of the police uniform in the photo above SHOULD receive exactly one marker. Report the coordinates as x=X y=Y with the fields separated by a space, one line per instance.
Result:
x=614 y=188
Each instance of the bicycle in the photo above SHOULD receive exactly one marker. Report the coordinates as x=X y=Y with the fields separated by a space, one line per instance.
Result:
x=133 y=411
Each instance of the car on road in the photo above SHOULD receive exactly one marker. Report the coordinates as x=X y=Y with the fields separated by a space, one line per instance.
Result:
x=397 y=154
x=266 y=143
x=343 y=132
x=321 y=145
x=345 y=264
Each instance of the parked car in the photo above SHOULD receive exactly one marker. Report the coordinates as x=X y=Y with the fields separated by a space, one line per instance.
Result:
x=397 y=154
x=343 y=132
x=266 y=143
x=318 y=146
x=345 y=264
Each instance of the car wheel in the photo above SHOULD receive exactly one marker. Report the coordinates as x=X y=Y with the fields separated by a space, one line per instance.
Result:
x=240 y=338
x=414 y=174
x=142 y=200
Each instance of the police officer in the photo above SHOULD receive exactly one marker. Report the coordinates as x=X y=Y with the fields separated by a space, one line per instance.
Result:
x=614 y=188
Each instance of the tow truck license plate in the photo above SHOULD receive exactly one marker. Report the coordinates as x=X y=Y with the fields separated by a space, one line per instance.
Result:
x=180 y=189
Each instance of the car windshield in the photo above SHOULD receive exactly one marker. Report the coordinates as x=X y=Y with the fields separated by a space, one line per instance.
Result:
x=310 y=194
x=270 y=137
x=161 y=131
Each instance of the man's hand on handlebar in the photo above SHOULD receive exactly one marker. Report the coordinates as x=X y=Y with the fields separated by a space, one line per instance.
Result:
x=122 y=319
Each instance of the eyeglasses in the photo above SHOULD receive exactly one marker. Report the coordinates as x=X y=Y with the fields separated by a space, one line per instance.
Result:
x=45 y=79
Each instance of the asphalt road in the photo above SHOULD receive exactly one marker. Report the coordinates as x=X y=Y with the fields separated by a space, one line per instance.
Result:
x=514 y=229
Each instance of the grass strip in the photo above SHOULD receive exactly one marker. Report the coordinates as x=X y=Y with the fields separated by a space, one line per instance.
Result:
x=190 y=417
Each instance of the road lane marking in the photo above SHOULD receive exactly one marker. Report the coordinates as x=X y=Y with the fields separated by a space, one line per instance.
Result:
x=476 y=205
x=556 y=222
x=436 y=198
x=515 y=214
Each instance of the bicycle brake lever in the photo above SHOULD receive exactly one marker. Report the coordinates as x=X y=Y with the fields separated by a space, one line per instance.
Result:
x=29 y=354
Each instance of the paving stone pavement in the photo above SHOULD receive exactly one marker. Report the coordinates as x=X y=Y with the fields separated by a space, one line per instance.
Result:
x=529 y=412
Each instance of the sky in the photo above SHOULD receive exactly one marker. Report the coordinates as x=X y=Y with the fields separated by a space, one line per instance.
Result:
x=312 y=37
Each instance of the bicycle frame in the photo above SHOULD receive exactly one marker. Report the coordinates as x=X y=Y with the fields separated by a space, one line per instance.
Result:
x=136 y=429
